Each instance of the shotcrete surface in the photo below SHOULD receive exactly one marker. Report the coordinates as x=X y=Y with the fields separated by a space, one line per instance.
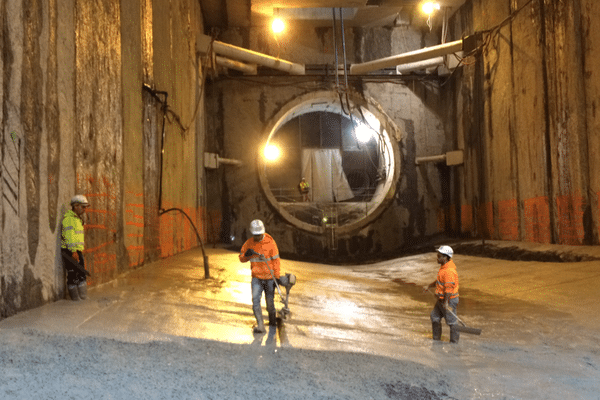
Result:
x=356 y=332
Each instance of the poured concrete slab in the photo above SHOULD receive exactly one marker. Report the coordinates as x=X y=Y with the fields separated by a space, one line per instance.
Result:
x=538 y=320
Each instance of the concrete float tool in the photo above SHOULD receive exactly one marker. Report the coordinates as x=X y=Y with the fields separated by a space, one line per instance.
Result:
x=462 y=327
x=287 y=281
x=76 y=264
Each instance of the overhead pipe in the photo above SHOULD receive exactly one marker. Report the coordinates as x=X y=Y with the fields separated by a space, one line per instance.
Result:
x=419 y=65
x=455 y=157
x=405 y=58
x=248 y=69
x=214 y=161
x=253 y=57
x=229 y=161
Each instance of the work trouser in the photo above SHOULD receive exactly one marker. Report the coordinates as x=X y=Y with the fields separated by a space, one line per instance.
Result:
x=258 y=287
x=74 y=276
x=439 y=312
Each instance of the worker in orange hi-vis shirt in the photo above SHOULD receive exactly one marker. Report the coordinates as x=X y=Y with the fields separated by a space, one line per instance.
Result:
x=263 y=254
x=446 y=290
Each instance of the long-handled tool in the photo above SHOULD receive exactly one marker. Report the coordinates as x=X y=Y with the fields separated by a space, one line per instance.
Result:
x=288 y=280
x=75 y=264
x=462 y=327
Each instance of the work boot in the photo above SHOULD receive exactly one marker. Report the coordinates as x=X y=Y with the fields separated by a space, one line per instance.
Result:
x=260 y=325
x=73 y=292
x=82 y=289
x=454 y=334
x=436 y=328
x=260 y=328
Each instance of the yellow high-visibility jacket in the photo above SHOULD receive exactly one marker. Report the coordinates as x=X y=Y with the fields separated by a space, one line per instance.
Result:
x=72 y=232
x=447 y=281
x=303 y=187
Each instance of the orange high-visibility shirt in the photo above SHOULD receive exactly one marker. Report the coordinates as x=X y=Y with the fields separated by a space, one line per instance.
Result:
x=266 y=247
x=447 y=281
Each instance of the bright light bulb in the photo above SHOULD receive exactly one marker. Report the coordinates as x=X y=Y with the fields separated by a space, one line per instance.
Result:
x=429 y=7
x=278 y=25
x=271 y=152
x=363 y=133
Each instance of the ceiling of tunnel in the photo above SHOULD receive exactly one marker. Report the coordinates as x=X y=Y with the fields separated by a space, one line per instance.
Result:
x=223 y=14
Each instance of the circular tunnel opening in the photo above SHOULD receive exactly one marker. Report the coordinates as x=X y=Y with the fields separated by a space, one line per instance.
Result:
x=330 y=164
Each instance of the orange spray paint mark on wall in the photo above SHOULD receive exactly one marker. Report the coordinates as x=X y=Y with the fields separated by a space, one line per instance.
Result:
x=485 y=219
x=453 y=218
x=570 y=219
x=134 y=217
x=508 y=216
x=537 y=220
x=466 y=218
x=441 y=219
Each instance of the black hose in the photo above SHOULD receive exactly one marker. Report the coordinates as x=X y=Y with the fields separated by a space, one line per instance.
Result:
x=205 y=257
x=165 y=107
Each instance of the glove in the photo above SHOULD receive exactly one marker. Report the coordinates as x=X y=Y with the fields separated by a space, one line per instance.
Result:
x=250 y=253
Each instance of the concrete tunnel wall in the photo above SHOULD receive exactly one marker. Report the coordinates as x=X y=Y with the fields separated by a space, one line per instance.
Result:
x=525 y=110
x=75 y=119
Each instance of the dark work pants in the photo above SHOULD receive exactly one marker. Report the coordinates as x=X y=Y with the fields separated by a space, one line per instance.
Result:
x=74 y=276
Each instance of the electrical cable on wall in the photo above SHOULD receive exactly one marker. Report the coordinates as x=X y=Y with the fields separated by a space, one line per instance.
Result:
x=165 y=109
x=488 y=39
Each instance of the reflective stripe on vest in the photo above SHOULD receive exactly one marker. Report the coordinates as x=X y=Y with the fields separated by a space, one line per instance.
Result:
x=72 y=232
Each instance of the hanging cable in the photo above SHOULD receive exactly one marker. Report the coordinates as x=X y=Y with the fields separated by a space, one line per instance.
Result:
x=345 y=65
x=165 y=109
x=335 y=66
x=344 y=51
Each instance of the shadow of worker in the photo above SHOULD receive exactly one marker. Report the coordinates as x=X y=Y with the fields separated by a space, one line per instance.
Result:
x=271 y=337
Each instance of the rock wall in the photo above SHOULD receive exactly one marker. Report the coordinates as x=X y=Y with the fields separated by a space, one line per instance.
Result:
x=524 y=108
x=75 y=119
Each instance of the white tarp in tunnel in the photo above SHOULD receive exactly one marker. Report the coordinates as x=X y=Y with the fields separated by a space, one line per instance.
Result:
x=323 y=170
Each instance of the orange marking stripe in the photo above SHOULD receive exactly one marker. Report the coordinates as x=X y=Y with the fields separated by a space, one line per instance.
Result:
x=92 y=249
x=91 y=210
x=87 y=226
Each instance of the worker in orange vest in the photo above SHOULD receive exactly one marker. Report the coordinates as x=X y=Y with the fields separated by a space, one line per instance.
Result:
x=263 y=254
x=446 y=290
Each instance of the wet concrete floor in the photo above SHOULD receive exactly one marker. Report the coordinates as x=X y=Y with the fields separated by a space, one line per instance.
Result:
x=540 y=330
x=378 y=308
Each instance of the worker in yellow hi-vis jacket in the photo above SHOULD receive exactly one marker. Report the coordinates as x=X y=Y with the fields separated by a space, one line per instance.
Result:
x=72 y=246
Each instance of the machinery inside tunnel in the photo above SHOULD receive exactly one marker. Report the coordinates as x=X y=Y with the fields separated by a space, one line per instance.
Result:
x=346 y=151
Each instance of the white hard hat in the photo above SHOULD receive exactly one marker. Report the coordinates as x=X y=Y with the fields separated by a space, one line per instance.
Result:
x=446 y=250
x=80 y=199
x=257 y=227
